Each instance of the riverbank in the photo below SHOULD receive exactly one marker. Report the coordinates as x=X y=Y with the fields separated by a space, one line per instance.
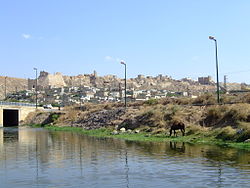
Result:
x=147 y=137
x=224 y=124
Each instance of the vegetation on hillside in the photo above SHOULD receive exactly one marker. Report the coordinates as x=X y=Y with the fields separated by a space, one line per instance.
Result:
x=202 y=117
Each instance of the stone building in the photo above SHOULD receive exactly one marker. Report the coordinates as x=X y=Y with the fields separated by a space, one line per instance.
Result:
x=47 y=80
x=205 y=80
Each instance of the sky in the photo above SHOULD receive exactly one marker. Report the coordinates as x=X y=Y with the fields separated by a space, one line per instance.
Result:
x=168 y=37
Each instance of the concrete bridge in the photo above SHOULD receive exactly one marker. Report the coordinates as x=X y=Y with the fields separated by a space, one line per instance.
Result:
x=11 y=113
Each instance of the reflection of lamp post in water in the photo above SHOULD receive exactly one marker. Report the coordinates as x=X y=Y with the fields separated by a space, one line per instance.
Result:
x=80 y=155
x=126 y=167
x=37 y=174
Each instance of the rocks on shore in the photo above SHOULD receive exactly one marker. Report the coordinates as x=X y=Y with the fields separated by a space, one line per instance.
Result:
x=123 y=130
x=99 y=119
x=247 y=141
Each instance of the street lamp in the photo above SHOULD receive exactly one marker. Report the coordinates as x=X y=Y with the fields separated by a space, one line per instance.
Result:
x=217 y=69
x=36 y=86
x=5 y=87
x=125 y=80
x=80 y=93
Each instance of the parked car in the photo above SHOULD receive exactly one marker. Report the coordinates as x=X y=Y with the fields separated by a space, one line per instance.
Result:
x=47 y=106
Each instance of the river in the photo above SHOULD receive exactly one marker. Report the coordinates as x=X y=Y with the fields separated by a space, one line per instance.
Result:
x=35 y=157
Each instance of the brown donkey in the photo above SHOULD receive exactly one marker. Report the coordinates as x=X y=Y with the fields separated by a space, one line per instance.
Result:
x=177 y=126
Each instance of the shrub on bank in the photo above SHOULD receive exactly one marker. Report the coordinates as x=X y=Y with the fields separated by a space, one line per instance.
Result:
x=212 y=115
x=239 y=112
x=243 y=132
x=194 y=129
x=206 y=99
x=246 y=98
x=151 y=102
x=159 y=131
x=226 y=134
x=226 y=99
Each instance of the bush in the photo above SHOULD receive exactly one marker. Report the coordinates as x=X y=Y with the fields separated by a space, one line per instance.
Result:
x=170 y=112
x=54 y=117
x=226 y=134
x=159 y=131
x=155 y=117
x=193 y=129
x=166 y=101
x=151 y=102
x=243 y=133
x=184 y=101
x=225 y=99
x=214 y=114
x=205 y=99
x=238 y=112
x=246 y=98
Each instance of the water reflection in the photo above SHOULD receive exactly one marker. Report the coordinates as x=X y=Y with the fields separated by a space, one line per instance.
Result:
x=126 y=168
x=178 y=147
x=8 y=135
x=62 y=159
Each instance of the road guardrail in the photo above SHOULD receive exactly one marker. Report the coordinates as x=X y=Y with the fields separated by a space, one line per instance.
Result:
x=6 y=103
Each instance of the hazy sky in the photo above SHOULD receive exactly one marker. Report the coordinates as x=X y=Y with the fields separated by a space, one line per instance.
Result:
x=168 y=37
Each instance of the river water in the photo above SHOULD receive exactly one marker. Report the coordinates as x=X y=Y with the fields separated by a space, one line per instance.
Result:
x=41 y=158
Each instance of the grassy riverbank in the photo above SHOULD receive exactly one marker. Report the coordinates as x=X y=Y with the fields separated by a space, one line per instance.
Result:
x=146 y=137
x=205 y=122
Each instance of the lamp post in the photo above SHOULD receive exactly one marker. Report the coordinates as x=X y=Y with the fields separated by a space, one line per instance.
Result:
x=5 y=87
x=80 y=94
x=125 y=80
x=36 y=86
x=217 y=69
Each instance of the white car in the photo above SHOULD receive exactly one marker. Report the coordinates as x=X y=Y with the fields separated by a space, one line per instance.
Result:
x=47 y=106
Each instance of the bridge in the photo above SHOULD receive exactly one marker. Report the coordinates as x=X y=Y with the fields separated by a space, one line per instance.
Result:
x=12 y=113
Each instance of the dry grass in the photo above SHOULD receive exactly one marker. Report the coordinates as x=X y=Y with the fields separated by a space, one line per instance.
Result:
x=243 y=132
x=246 y=98
x=238 y=112
x=194 y=129
x=226 y=133
x=159 y=131
x=206 y=99
x=71 y=115
x=161 y=115
x=227 y=99
x=225 y=115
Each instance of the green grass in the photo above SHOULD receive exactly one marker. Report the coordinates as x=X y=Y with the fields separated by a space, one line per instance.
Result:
x=145 y=137
x=35 y=125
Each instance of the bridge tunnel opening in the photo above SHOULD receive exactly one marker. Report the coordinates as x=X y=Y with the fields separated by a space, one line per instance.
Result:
x=10 y=118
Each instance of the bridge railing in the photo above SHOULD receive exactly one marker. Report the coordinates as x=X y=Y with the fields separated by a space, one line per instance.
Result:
x=6 y=103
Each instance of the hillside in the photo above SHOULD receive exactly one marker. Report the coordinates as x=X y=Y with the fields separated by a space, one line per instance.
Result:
x=12 y=85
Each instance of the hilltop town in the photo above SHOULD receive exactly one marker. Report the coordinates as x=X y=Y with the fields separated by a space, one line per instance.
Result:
x=59 y=89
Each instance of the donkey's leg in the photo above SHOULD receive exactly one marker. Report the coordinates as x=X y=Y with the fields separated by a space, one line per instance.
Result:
x=183 y=132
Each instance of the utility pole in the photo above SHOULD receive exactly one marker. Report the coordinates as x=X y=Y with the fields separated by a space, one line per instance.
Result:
x=125 y=80
x=120 y=91
x=36 y=86
x=217 y=68
x=80 y=94
x=5 y=87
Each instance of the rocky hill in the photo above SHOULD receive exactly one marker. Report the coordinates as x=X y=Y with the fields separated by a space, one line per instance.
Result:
x=139 y=83
x=12 y=85
x=112 y=82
